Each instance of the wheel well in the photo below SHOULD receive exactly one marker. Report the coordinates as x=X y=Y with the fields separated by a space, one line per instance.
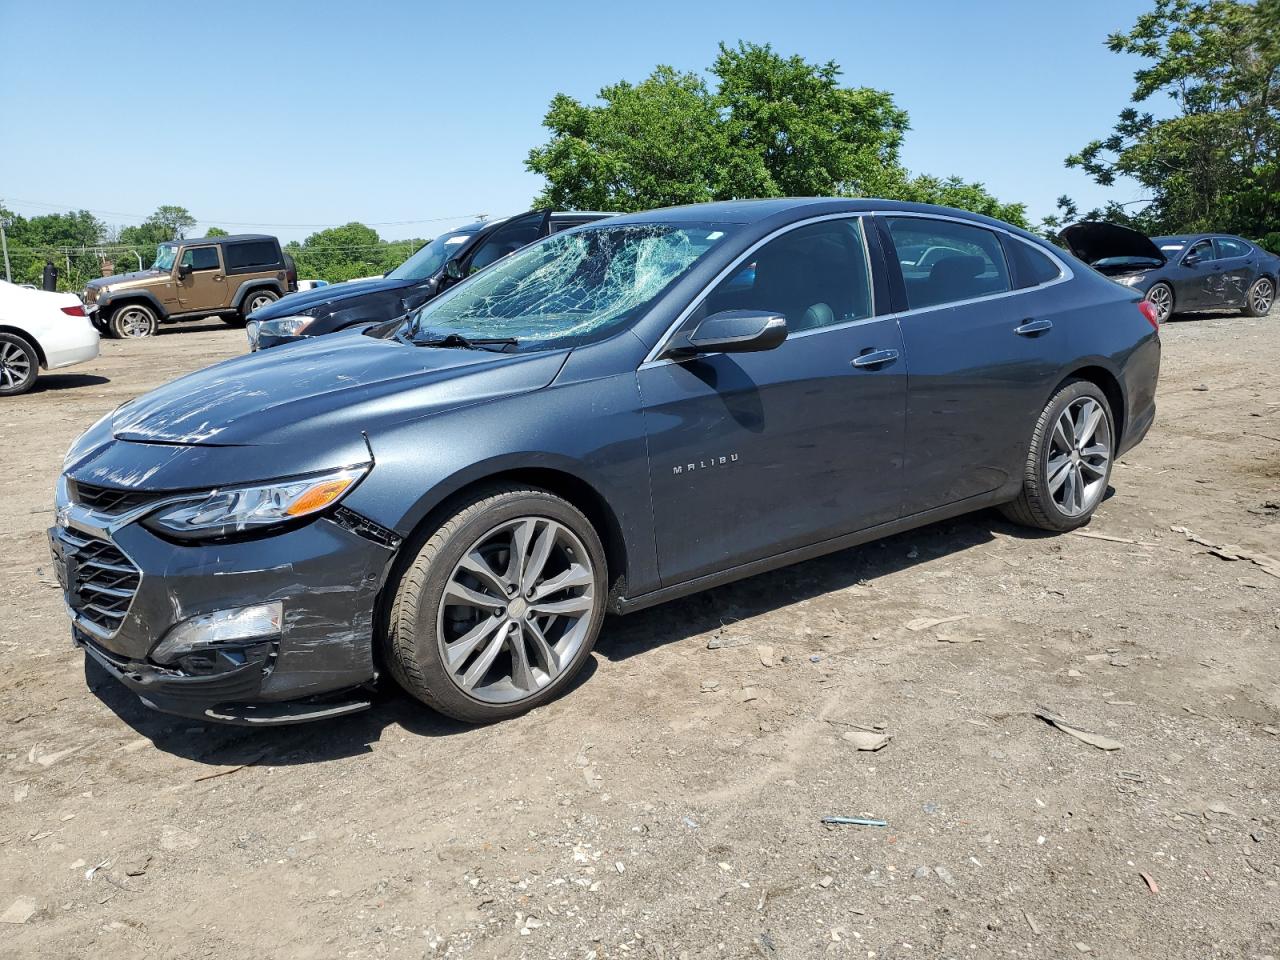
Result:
x=1105 y=381
x=565 y=485
x=27 y=338
x=127 y=301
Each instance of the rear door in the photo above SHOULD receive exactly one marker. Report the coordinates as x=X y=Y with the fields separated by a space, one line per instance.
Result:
x=204 y=287
x=981 y=343
x=754 y=454
x=1239 y=266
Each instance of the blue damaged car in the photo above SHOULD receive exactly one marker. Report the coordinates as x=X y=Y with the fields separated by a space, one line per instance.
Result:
x=617 y=415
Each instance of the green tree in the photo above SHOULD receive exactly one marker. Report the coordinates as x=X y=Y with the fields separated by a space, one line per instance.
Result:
x=216 y=232
x=167 y=223
x=347 y=252
x=773 y=126
x=1214 y=164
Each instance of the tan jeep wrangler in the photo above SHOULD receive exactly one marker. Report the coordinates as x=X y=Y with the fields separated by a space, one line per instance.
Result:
x=226 y=277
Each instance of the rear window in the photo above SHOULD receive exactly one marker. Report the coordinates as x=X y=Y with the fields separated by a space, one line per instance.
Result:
x=946 y=261
x=253 y=253
x=1228 y=247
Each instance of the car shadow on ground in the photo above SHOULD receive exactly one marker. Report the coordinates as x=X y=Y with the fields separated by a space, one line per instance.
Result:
x=704 y=612
x=223 y=745
x=205 y=325
x=67 y=381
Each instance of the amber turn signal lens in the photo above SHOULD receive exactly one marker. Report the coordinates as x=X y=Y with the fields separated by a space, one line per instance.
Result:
x=319 y=496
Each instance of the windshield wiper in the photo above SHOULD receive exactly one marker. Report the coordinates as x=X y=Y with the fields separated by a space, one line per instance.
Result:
x=467 y=343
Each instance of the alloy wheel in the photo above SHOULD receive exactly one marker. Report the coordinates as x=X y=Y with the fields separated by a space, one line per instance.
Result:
x=516 y=610
x=134 y=323
x=261 y=300
x=1261 y=296
x=1161 y=298
x=1079 y=452
x=15 y=366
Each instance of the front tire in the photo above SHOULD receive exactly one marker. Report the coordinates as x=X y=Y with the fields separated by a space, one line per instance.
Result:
x=1261 y=296
x=256 y=299
x=19 y=365
x=133 y=321
x=1160 y=296
x=1069 y=462
x=500 y=607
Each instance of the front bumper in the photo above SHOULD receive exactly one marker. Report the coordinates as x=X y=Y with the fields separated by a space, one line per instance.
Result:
x=326 y=575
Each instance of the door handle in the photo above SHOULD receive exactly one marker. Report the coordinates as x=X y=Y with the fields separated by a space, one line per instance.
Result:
x=875 y=358
x=1031 y=327
x=217 y=276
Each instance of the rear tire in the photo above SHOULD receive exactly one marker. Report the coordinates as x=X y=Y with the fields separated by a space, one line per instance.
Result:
x=1160 y=296
x=133 y=321
x=465 y=633
x=1261 y=297
x=19 y=365
x=1069 y=461
x=256 y=299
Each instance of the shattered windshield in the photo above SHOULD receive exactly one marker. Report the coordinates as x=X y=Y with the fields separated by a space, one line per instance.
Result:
x=431 y=257
x=164 y=257
x=570 y=287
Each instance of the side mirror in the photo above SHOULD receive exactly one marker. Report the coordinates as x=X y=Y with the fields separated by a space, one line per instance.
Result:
x=735 y=331
x=184 y=271
x=453 y=270
x=1191 y=259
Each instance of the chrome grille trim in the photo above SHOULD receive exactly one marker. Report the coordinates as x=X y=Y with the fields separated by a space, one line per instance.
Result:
x=103 y=583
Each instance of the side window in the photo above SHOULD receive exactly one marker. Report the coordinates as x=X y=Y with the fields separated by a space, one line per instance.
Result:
x=506 y=239
x=943 y=261
x=1030 y=266
x=253 y=253
x=1201 y=252
x=815 y=276
x=1230 y=247
x=201 y=258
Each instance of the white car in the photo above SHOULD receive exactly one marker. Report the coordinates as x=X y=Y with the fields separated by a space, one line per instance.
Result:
x=40 y=329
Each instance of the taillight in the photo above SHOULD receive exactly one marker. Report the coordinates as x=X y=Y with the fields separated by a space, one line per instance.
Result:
x=76 y=311
x=1148 y=310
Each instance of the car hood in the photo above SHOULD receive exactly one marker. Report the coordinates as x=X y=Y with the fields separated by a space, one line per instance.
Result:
x=125 y=279
x=332 y=387
x=1093 y=240
x=321 y=296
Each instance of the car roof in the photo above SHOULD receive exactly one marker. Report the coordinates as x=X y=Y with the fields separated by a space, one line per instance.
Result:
x=231 y=239
x=753 y=211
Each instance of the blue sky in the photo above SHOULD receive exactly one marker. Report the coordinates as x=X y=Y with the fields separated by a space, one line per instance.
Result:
x=288 y=114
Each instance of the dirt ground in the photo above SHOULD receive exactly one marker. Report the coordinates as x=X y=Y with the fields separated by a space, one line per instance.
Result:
x=671 y=804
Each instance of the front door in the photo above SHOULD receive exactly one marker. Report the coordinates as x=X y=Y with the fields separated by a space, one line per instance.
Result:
x=753 y=454
x=205 y=286
x=1198 y=283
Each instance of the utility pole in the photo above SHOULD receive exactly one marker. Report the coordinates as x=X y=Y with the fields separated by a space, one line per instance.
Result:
x=4 y=243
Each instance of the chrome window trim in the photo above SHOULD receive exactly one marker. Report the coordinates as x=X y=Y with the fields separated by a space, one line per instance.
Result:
x=654 y=358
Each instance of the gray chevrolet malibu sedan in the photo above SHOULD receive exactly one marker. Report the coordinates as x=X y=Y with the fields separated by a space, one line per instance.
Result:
x=612 y=417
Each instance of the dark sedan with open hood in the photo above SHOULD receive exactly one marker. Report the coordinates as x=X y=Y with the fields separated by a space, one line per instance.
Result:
x=1203 y=271
x=612 y=417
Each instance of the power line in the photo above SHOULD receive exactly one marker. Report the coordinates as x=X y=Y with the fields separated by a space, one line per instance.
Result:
x=244 y=223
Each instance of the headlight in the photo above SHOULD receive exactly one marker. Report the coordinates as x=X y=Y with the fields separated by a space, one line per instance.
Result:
x=285 y=326
x=245 y=509
x=1130 y=279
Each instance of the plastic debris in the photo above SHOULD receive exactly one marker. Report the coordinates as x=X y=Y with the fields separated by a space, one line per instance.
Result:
x=854 y=822
x=20 y=911
x=865 y=740
x=1149 y=881
x=1084 y=736
x=925 y=623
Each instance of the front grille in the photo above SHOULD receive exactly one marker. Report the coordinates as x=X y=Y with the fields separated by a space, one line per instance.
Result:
x=109 y=499
x=101 y=581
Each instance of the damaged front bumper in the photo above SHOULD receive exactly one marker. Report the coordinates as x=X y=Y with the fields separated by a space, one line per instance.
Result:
x=126 y=589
